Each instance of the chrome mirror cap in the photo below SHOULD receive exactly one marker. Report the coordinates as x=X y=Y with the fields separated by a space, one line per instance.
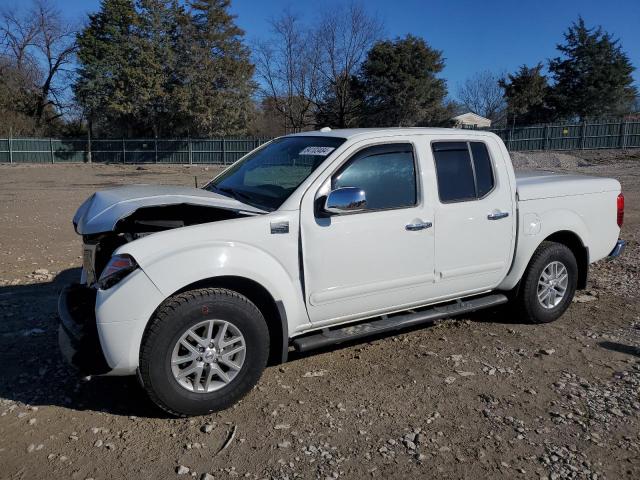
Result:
x=346 y=200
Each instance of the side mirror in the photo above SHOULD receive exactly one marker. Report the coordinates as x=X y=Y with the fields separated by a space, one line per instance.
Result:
x=346 y=200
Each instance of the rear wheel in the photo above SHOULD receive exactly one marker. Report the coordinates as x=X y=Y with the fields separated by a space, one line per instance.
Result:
x=203 y=351
x=548 y=284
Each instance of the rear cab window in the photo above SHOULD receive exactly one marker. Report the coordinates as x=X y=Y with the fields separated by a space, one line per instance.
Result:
x=464 y=170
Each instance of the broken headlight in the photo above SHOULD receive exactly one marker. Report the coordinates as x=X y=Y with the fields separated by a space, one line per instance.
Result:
x=119 y=266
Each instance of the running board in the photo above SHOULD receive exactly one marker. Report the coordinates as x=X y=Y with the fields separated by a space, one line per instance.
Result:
x=396 y=322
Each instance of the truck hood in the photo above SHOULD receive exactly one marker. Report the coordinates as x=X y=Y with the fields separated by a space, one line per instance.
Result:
x=538 y=184
x=104 y=209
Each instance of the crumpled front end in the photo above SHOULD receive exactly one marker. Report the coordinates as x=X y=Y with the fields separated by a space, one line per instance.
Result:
x=111 y=218
x=78 y=333
x=101 y=329
x=102 y=323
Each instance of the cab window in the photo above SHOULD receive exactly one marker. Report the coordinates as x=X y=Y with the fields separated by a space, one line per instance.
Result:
x=386 y=173
x=463 y=169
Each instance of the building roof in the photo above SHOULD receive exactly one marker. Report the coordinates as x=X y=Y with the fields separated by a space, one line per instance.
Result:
x=471 y=115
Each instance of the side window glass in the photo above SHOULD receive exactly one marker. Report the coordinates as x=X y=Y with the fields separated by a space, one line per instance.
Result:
x=454 y=172
x=386 y=173
x=463 y=169
x=482 y=167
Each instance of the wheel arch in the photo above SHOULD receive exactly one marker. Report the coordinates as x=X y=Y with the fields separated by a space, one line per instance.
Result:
x=272 y=310
x=561 y=225
x=266 y=279
x=573 y=242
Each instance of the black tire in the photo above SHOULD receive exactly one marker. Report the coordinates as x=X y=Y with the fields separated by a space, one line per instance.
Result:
x=527 y=304
x=171 y=320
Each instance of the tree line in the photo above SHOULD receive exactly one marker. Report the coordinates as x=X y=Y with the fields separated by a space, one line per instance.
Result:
x=161 y=68
x=170 y=68
x=590 y=78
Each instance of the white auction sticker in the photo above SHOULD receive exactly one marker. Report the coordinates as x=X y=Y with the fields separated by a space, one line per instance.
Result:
x=323 y=151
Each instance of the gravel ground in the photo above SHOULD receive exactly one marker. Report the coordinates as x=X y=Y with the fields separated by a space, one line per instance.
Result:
x=477 y=397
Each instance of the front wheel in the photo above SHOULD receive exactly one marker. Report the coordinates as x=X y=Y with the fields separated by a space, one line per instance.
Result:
x=203 y=351
x=548 y=284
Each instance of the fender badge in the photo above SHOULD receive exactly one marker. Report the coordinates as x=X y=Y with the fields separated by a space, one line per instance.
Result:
x=279 y=227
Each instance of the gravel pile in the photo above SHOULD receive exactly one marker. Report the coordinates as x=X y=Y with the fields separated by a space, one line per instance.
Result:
x=620 y=276
x=571 y=160
x=546 y=160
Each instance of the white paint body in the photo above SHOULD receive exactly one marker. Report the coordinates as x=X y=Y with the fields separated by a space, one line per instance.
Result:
x=363 y=265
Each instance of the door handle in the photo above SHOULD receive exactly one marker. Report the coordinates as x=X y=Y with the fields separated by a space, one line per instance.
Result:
x=412 y=227
x=497 y=215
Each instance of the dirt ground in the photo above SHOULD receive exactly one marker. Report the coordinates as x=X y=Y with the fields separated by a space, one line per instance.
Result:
x=477 y=397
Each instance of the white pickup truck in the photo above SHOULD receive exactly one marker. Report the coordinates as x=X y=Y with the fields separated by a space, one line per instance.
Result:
x=319 y=238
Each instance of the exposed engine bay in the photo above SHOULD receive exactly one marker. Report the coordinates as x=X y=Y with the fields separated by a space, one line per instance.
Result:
x=98 y=248
x=111 y=218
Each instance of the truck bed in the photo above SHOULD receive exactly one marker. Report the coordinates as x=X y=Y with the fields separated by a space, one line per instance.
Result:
x=539 y=184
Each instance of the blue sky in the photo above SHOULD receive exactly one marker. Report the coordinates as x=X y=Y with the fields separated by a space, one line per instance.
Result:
x=496 y=35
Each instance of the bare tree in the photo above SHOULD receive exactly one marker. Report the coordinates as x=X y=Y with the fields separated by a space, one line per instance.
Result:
x=16 y=100
x=40 y=44
x=483 y=95
x=288 y=66
x=344 y=36
x=18 y=36
x=56 y=45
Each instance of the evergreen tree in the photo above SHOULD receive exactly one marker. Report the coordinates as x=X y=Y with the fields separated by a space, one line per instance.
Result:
x=105 y=86
x=156 y=65
x=216 y=73
x=399 y=84
x=593 y=75
x=527 y=93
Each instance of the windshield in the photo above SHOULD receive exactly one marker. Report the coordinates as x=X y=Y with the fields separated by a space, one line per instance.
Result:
x=266 y=178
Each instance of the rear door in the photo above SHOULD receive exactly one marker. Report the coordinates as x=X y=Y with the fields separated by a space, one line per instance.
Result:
x=474 y=218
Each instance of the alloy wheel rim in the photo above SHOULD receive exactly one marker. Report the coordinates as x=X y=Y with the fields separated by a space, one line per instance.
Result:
x=208 y=356
x=552 y=284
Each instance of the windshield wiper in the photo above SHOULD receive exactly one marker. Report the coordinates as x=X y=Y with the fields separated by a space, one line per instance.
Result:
x=238 y=195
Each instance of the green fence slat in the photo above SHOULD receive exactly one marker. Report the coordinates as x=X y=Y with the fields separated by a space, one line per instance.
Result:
x=220 y=151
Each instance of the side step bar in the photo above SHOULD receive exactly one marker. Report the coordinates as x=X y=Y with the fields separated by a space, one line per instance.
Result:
x=396 y=322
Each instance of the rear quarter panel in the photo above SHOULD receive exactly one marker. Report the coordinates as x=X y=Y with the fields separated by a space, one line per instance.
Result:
x=592 y=217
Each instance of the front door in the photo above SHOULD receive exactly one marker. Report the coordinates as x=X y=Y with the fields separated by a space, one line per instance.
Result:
x=375 y=260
